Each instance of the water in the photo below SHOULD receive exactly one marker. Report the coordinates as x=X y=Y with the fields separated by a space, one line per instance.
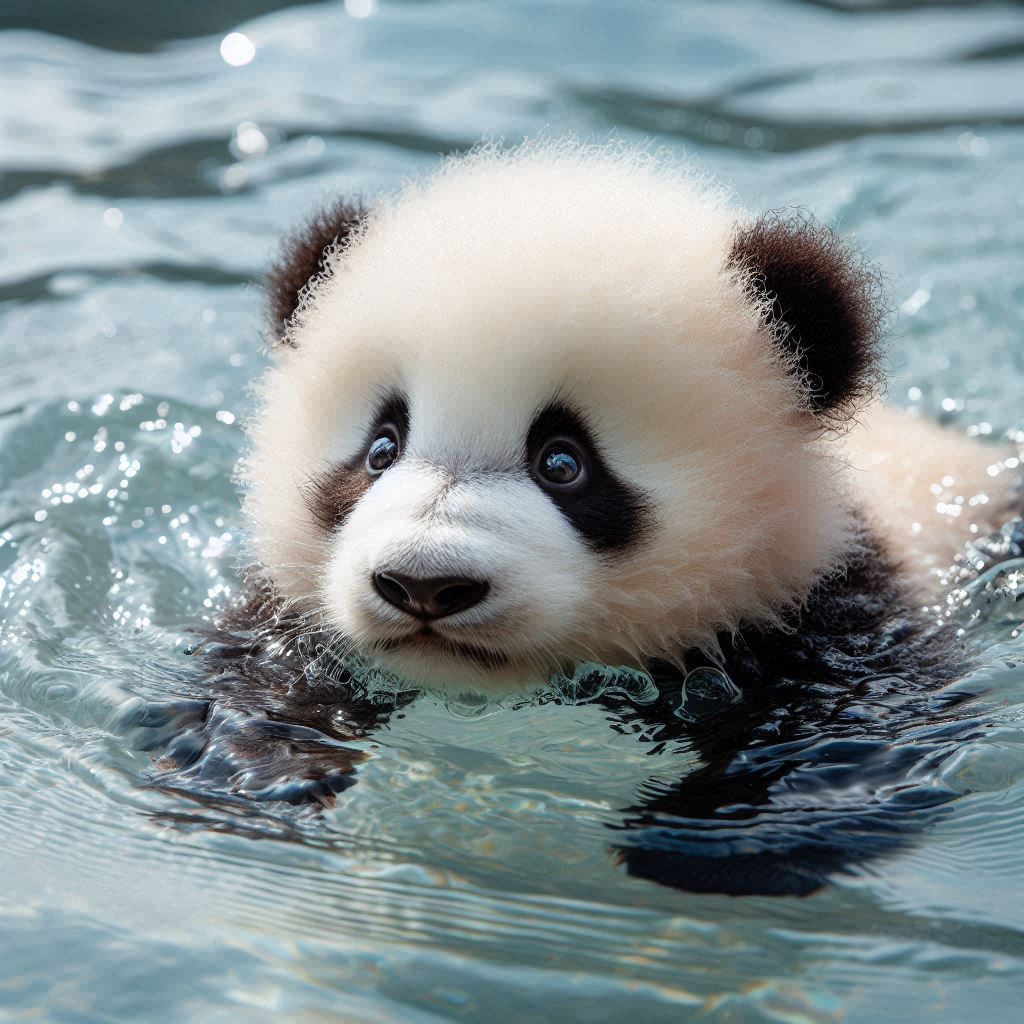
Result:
x=143 y=180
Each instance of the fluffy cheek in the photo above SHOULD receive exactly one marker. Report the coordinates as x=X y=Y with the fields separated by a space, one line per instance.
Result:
x=494 y=527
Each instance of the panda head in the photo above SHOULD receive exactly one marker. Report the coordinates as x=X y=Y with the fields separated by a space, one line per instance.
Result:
x=552 y=405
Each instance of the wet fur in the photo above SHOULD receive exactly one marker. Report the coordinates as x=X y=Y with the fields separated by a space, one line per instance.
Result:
x=808 y=776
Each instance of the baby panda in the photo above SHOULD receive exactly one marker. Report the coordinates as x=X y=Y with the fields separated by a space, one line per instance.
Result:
x=564 y=404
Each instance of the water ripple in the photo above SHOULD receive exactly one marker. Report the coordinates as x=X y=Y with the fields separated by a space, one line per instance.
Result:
x=143 y=179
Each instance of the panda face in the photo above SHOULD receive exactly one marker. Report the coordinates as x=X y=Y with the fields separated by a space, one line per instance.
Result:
x=436 y=544
x=516 y=427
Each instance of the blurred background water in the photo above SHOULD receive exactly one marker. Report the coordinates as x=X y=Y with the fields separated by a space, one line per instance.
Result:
x=149 y=156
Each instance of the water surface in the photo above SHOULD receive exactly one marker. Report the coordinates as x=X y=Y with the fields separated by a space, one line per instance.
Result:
x=143 y=181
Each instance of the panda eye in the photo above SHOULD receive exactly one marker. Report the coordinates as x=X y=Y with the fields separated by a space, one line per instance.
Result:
x=383 y=452
x=560 y=465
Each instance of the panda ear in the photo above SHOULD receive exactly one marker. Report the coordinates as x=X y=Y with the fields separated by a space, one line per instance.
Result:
x=824 y=303
x=303 y=258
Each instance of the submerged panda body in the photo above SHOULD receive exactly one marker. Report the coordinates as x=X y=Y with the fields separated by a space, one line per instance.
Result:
x=563 y=405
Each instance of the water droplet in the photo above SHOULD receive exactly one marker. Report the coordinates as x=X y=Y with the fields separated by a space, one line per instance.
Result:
x=704 y=693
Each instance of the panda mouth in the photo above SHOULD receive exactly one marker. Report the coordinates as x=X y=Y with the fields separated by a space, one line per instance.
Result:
x=426 y=641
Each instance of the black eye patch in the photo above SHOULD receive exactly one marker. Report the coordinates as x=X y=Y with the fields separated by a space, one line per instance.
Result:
x=608 y=512
x=332 y=494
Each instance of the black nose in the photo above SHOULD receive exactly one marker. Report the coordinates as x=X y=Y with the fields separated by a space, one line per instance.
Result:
x=431 y=597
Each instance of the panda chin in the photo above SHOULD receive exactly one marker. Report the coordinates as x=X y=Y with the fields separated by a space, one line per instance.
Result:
x=435 y=662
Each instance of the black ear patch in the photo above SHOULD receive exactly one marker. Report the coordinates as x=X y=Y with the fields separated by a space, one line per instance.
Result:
x=827 y=305
x=302 y=258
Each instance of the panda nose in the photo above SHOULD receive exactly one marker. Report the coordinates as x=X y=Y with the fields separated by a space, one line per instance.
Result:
x=430 y=597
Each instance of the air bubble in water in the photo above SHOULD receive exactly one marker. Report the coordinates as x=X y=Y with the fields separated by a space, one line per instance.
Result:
x=472 y=706
x=590 y=680
x=705 y=691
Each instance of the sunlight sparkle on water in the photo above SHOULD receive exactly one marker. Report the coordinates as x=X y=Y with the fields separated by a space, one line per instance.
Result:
x=249 y=140
x=360 y=8
x=237 y=49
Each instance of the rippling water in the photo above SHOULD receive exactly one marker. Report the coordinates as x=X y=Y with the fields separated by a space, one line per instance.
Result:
x=143 y=181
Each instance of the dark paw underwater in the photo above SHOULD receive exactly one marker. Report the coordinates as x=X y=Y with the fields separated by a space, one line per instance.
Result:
x=562 y=406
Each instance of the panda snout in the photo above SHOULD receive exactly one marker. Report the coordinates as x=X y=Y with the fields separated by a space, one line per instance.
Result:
x=429 y=597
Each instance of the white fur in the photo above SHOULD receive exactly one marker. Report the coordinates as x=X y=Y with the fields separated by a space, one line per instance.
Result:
x=926 y=489
x=509 y=279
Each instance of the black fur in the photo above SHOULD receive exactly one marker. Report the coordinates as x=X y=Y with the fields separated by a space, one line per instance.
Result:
x=609 y=513
x=827 y=306
x=822 y=765
x=332 y=494
x=813 y=771
x=260 y=726
x=301 y=259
